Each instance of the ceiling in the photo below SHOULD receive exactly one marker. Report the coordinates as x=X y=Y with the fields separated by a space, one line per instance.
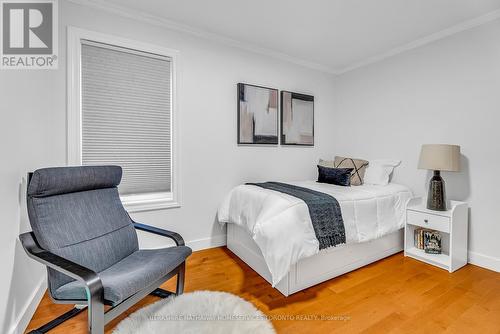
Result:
x=331 y=35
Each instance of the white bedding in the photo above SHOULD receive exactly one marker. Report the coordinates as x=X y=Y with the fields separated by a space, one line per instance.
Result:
x=281 y=226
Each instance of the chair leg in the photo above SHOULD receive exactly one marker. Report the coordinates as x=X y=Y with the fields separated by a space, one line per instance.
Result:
x=180 y=280
x=95 y=315
x=57 y=321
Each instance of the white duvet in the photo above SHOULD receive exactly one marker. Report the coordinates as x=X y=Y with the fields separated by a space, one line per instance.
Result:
x=281 y=226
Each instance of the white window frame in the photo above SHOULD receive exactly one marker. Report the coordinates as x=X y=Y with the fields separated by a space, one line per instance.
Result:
x=133 y=202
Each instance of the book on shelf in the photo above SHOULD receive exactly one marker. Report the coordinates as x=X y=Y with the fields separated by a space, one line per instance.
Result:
x=427 y=240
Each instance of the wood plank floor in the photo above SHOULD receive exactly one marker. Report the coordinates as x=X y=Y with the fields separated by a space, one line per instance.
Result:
x=394 y=295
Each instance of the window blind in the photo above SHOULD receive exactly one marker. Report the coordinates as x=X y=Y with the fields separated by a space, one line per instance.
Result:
x=126 y=115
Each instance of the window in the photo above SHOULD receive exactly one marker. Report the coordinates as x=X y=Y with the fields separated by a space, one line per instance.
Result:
x=122 y=113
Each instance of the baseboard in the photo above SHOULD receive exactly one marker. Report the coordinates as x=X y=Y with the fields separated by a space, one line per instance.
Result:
x=485 y=261
x=214 y=241
x=29 y=309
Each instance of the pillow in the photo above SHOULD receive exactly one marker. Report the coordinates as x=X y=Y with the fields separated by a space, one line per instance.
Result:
x=338 y=176
x=358 y=166
x=379 y=171
x=326 y=163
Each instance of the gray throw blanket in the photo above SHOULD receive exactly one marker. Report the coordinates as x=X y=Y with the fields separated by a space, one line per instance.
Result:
x=324 y=210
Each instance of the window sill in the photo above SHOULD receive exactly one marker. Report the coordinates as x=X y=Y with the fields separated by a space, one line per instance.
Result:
x=149 y=202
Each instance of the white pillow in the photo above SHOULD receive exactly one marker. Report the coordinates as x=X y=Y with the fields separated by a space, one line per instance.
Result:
x=379 y=170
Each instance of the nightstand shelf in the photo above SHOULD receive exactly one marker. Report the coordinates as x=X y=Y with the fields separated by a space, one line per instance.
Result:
x=439 y=260
x=452 y=225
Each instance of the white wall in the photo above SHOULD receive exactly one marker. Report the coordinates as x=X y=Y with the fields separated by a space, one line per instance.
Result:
x=33 y=135
x=445 y=92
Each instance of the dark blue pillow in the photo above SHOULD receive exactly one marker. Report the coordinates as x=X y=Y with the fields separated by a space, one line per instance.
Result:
x=338 y=176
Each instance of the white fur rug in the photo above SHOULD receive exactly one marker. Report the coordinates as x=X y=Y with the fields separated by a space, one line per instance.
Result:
x=197 y=312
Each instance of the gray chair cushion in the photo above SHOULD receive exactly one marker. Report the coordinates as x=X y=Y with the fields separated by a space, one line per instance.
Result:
x=76 y=213
x=130 y=275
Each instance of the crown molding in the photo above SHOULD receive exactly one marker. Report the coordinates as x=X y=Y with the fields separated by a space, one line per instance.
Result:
x=183 y=28
x=463 y=26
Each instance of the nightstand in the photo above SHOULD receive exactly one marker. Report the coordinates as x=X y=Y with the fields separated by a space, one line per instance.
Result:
x=452 y=225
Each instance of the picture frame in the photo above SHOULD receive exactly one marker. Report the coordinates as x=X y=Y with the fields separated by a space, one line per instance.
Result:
x=296 y=119
x=257 y=115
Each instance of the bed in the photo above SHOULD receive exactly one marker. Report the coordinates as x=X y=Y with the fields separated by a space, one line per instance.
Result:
x=272 y=231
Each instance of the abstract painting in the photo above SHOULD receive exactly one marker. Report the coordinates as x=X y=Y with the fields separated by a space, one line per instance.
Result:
x=297 y=119
x=257 y=115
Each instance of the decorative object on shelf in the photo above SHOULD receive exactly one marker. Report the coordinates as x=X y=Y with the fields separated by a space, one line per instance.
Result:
x=432 y=242
x=427 y=240
x=297 y=119
x=438 y=157
x=418 y=238
x=257 y=115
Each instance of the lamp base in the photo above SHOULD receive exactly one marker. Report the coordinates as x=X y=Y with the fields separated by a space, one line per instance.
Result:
x=436 y=197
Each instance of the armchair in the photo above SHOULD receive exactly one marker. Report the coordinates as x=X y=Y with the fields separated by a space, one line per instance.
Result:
x=88 y=242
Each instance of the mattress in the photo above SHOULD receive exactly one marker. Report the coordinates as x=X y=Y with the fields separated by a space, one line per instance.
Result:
x=281 y=226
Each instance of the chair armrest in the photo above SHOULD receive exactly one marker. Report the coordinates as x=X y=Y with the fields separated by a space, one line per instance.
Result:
x=155 y=230
x=74 y=270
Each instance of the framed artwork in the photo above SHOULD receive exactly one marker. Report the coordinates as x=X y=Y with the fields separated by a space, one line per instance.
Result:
x=257 y=115
x=297 y=119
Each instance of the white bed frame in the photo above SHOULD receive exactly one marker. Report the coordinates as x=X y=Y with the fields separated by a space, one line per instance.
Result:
x=327 y=264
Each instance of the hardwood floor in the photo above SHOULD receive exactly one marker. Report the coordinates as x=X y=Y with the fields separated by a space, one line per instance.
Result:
x=396 y=295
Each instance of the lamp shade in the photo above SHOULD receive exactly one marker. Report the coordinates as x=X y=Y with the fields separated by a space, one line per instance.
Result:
x=440 y=157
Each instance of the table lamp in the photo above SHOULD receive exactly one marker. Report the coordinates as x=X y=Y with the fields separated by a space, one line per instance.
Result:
x=438 y=157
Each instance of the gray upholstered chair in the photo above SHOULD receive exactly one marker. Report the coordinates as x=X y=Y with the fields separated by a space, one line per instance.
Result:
x=88 y=242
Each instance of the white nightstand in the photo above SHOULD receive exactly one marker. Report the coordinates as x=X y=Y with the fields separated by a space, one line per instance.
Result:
x=452 y=225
